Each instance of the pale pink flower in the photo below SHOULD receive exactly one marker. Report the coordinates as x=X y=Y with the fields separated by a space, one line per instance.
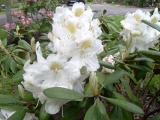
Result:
x=42 y=11
x=9 y=26
x=18 y=14
x=49 y=14
x=26 y=21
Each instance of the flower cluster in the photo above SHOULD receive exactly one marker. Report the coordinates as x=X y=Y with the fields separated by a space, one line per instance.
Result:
x=74 y=44
x=23 y=18
x=45 y=12
x=26 y=21
x=9 y=26
x=136 y=34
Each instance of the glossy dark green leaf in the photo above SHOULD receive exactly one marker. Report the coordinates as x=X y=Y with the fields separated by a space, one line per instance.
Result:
x=3 y=34
x=24 y=45
x=143 y=59
x=90 y=114
x=18 y=115
x=102 y=110
x=8 y=99
x=63 y=93
x=119 y=96
x=106 y=64
x=151 y=54
x=128 y=90
x=140 y=67
x=106 y=79
x=43 y=115
x=18 y=76
x=13 y=65
x=88 y=92
x=97 y=112
x=126 y=105
x=71 y=112
x=120 y=114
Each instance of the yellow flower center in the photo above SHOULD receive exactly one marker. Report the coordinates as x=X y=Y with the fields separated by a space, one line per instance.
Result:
x=78 y=12
x=56 y=67
x=154 y=20
x=86 y=44
x=136 y=33
x=71 y=27
x=137 y=17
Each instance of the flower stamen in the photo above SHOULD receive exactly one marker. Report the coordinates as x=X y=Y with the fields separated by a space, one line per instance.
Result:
x=56 y=67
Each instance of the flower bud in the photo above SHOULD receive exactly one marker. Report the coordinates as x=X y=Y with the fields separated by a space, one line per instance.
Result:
x=109 y=59
x=17 y=28
x=1 y=44
x=33 y=45
x=21 y=91
x=93 y=82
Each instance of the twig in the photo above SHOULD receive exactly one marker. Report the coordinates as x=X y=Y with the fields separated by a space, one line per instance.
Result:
x=151 y=113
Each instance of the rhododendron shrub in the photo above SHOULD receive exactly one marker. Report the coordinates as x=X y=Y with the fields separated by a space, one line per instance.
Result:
x=89 y=68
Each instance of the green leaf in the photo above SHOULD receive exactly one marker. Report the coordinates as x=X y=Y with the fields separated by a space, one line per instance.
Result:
x=97 y=112
x=8 y=99
x=126 y=105
x=43 y=115
x=88 y=92
x=6 y=63
x=13 y=65
x=90 y=114
x=154 y=84
x=106 y=80
x=11 y=107
x=140 y=67
x=144 y=59
x=18 y=115
x=18 y=76
x=120 y=114
x=152 y=25
x=3 y=34
x=118 y=96
x=106 y=64
x=151 y=54
x=19 y=60
x=102 y=110
x=63 y=93
x=71 y=112
x=128 y=90
x=24 y=45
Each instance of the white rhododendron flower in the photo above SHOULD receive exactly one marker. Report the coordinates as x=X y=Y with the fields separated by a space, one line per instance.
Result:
x=136 y=34
x=75 y=44
x=5 y=114
x=30 y=116
x=54 y=71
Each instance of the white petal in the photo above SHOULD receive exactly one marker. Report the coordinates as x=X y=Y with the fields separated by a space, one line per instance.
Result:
x=39 y=53
x=92 y=63
x=52 y=107
x=30 y=116
x=7 y=113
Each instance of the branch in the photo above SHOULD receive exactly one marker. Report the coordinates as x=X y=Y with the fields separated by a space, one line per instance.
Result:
x=151 y=113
